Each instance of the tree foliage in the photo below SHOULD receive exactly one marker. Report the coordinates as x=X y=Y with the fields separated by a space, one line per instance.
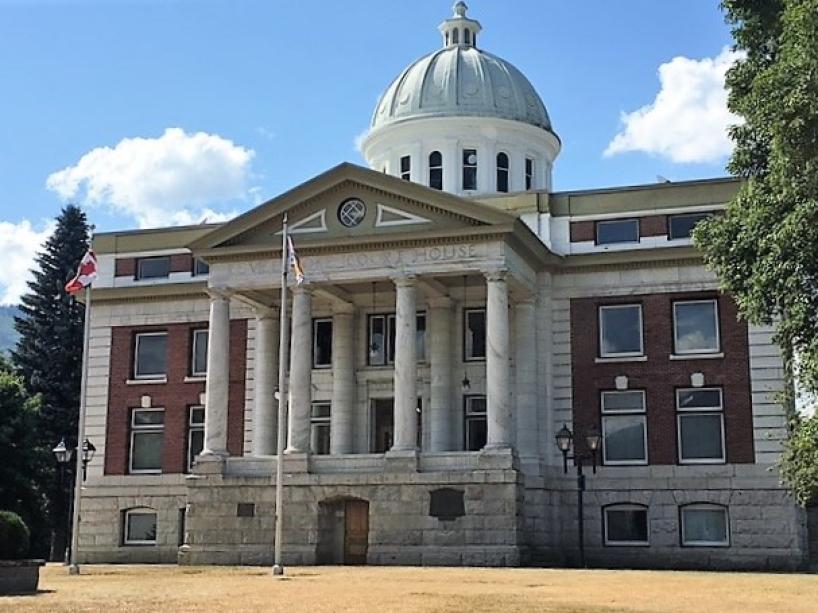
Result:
x=22 y=462
x=48 y=354
x=765 y=248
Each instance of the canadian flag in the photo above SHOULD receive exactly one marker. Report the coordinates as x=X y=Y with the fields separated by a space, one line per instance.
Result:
x=86 y=273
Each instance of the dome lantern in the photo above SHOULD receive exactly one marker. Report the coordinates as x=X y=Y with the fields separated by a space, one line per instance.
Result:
x=459 y=29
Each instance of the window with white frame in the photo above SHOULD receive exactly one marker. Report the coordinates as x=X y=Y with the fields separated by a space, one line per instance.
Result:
x=469 y=169
x=617 y=231
x=147 y=437
x=626 y=525
x=436 y=170
x=474 y=334
x=322 y=343
x=381 y=341
x=153 y=268
x=696 y=326
x=624 y=430
x=620 y=331
x=705 y=525
x=405 y=167
x=475 y=423
x=195 y=434
x=140 y=527
x=198 y=360
x=700 y=415
x=150 y=355
x=320 y=428
x=529 y=174
x=502 y=172
x=681 y=226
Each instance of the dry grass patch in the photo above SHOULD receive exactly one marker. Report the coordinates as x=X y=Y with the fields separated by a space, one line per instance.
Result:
x=173 y=589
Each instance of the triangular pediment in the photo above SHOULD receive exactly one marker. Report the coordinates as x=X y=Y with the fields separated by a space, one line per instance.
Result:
x=348 y=203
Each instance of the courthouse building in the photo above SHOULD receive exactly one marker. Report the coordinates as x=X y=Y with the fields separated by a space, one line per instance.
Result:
x=458 y=314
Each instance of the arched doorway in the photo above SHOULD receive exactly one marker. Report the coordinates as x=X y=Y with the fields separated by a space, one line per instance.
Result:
x=343 y=531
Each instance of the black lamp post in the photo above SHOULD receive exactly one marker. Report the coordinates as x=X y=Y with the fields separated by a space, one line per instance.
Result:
x=63 y=455
x=565 y=439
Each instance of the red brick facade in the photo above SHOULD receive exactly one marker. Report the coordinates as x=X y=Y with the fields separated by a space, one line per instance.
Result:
x=179 y=262
x=660 y=376
x=175 y=396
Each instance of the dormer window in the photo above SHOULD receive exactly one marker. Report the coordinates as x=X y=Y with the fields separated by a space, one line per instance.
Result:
x=502 y=172
x=436 y=170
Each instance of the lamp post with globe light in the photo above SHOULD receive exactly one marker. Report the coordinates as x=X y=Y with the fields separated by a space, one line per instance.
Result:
x=565 y=440
x=63 y=454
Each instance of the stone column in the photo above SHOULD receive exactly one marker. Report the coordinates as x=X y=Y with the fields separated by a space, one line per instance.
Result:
x=300 y=372
x=440 y=413
x=218 y=374
x=498 y=371
x=405 y=365
x=525 y=377
x=265 y=376
x=343 y=380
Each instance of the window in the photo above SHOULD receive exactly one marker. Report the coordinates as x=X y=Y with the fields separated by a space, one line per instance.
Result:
x=469 y=169
x=681 y=226
x=474 y=334
x=624 y=434
x=625 y=524
x=529 y=174
x=153 y=268
x=502 y=172
x=382 y=339
x=617 y=231
x=455 y=36
x=620 y=331
x=140 y=527
x=435 y=170
x=696 y=326
x=320 y=428
x=705 y=525
x=700 y=425
x=198 y=365
x=321 y=343
x=475 y=422
x=195 y=434
x=200 y=267
x=467 y=36
x=405 y=167
x=150 y=355
x=147 y=435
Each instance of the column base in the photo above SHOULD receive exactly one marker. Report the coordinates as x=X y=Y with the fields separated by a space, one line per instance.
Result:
x=497 y=458
x=210 y=463
x=296 y=462
x=401 y=461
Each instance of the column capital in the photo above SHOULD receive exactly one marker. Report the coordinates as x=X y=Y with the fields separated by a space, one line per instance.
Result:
x=301 y=289
x=441 y=302
x=219 y=293
x=496 y=274
x=265 y=312
x=343 y=308
x=405 y=280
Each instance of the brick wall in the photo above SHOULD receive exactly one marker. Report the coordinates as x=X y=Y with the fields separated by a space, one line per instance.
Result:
x=179 y=262
x=659 y=376
x=175 y=396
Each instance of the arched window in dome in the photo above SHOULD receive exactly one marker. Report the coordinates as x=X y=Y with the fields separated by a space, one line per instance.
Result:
x=447 y=39
x=455 y=36
x=405 y=167
x=502 y=172
x=436 y=170
x=474 y=40
x=529 y=174
x=469 y=169
x=467 y=36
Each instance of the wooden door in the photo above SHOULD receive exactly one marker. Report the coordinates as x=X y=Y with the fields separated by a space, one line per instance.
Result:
x=356 y=531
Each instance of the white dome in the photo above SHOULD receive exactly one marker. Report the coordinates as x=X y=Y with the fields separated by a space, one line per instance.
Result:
x=461 y=81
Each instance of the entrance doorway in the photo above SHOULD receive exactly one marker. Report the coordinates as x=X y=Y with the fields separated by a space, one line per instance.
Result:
x=343 y=531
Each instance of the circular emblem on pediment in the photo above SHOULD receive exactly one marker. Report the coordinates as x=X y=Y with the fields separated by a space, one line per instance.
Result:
x=351 y=212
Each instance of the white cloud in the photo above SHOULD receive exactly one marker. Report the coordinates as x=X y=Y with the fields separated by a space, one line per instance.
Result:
x=687 y=121
x=359 y=140
x=177 y=178
x=19 y=244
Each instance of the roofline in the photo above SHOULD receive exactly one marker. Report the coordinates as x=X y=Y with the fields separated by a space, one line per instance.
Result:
x=641 y=186
x=160 y=229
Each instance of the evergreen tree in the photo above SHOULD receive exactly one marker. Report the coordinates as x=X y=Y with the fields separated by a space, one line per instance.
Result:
x=22 y=461
x=48 y=354
x=765 y=248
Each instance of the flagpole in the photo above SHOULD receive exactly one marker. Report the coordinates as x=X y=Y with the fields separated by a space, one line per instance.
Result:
x=74 y=568
x=284 y=338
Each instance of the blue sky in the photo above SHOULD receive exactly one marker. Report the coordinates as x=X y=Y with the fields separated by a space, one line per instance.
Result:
x=280 y=90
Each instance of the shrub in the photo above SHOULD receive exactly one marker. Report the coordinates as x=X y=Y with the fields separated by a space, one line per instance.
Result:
x=14 y=536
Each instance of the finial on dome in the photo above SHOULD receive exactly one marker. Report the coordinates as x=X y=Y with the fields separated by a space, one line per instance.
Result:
x=460 y=30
